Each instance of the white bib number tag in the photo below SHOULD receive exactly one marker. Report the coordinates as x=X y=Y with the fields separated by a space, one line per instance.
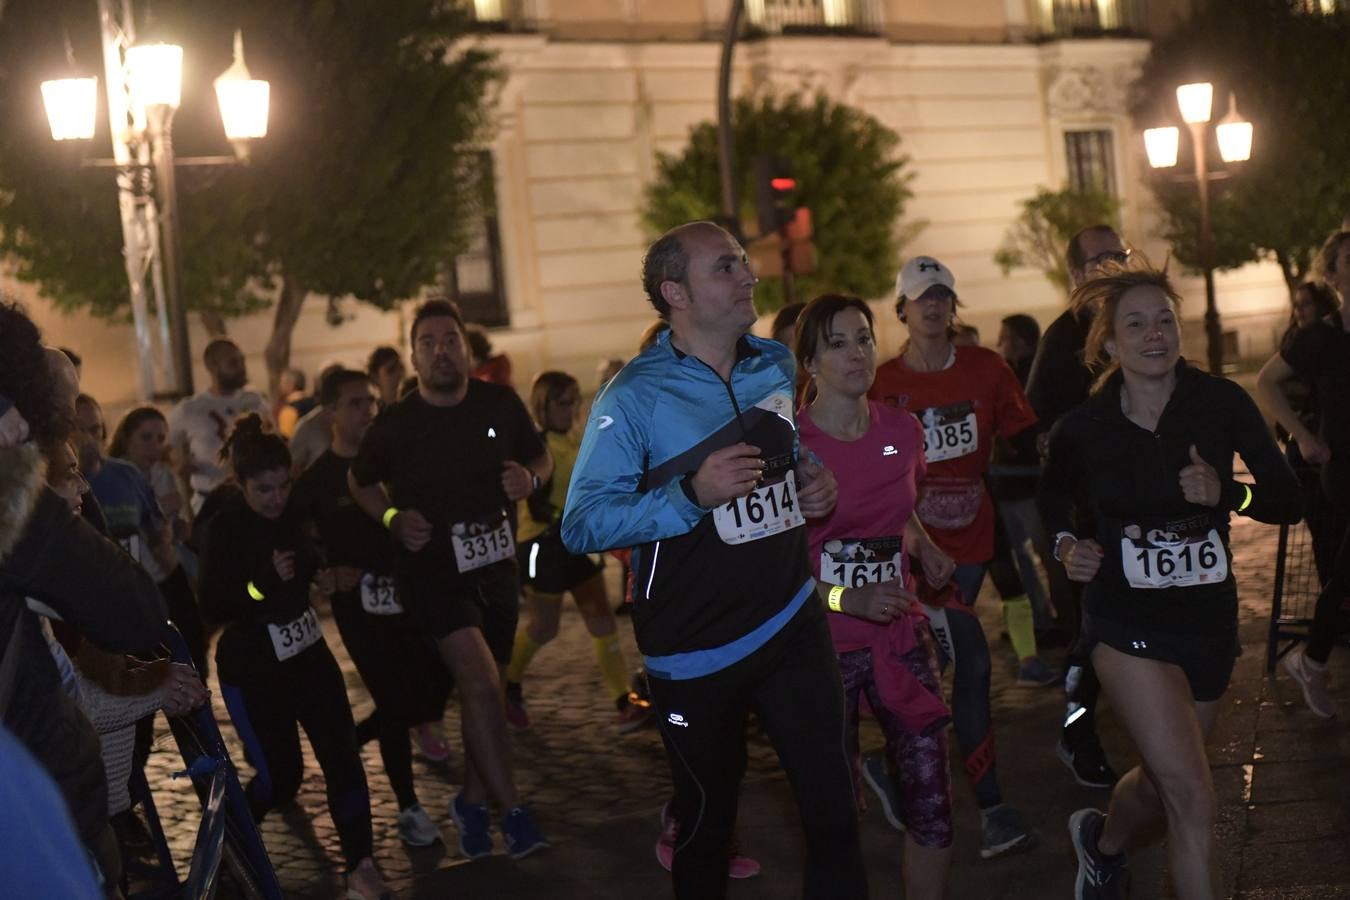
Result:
x=767 y=510
x=949 y=431
x=378 y=596
x=296 y=635
x=132 y=544
x=1163 y=559
x=854 y=562
x=482 y=545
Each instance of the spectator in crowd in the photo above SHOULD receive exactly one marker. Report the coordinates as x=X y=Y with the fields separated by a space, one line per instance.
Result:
x=386 y=371
x=295 y=403
x=59 y=560
x=487 y=366
x=314 y=432
x=198 y=424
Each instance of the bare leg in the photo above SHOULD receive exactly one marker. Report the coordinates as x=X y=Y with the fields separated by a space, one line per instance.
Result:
x=926 y=871
x=544 y=611
x=1153 y=699
x=593 y=602
x=487 y=765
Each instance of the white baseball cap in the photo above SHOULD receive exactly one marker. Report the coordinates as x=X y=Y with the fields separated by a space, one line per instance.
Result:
x=921 y=273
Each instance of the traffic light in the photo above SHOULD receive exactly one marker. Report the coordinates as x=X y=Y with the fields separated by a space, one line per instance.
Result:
x=775 y=193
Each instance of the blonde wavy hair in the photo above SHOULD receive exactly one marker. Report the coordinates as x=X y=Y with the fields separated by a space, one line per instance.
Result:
x=1105 y=293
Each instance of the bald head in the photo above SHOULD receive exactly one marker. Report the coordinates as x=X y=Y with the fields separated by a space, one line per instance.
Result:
x=66 y=382
x=225 y=364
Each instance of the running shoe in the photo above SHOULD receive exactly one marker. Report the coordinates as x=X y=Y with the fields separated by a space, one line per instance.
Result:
x=878 y=778
x=428 y=744
x=365 y=883
x=738 y=864
x=1312 y=680
x=472 y=821
x=516 y=716
x=1004 y=831
x=415 y=827
x=1086 y=760
x=521 y=835
x=1033 y=672
x=1100 y=877
x=633 y=713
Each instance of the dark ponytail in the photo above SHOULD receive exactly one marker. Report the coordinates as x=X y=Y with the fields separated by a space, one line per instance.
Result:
x=250 y=450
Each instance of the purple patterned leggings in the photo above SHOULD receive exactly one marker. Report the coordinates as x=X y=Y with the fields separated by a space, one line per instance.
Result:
x=919 y=762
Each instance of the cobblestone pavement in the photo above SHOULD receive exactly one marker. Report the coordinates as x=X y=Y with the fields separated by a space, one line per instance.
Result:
x=1284 y=823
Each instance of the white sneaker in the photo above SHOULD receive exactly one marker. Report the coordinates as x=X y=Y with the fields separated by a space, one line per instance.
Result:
x=415 y=827
x=1312 y=680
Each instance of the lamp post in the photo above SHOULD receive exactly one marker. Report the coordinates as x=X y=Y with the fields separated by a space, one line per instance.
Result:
x=144 y=88
x=1235 y=145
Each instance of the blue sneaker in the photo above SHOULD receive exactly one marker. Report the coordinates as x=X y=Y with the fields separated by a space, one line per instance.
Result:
x=472 y=821
x=522 y=837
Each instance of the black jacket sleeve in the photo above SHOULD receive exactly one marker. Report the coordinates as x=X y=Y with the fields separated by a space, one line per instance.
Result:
x=87 y=579
x=1056 y=492
x=1275 y=497
x=1059 y=381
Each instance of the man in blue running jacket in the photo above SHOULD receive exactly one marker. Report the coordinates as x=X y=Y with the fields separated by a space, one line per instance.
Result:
x=691 y=458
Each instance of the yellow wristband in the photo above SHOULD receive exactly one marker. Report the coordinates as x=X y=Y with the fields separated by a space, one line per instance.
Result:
x=254 y=592
x=388 y=517
x=1246 y=501
x=836 y=595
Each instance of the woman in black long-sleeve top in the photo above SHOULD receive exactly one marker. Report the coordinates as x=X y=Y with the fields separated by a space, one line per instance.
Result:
x=275 y=669
x=1154 y=447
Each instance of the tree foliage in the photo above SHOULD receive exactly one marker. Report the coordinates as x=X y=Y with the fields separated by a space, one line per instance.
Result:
x=1291 y=76
x=849 y=173
x=1038 y=236
x=361 y=187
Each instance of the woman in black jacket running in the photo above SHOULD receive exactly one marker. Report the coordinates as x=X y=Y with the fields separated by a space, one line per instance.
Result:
x=1154 y=447
x=274 y=668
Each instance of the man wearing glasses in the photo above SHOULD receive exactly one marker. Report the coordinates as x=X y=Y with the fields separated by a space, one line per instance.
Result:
x=1060 y=381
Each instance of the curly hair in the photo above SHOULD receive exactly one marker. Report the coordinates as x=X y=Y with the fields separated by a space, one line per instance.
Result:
x=26 y=379
x=250 y=449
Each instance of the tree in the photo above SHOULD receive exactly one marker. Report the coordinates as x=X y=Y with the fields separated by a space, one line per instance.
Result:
x=1290 y=73
x=849 y=173
x=1040 y=233
x=361 y=188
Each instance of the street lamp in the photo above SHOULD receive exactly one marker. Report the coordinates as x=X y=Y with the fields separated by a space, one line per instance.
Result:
x=1235 y=145
x=144 y=89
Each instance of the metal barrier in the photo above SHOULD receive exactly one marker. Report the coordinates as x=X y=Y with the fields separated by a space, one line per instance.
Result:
x=1297 y=586
x=227 y=832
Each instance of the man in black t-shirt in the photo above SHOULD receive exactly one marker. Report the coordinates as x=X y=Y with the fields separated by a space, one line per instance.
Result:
x=399 y=665
x=1059 y=382
x=443 y=469
x=1319 y=355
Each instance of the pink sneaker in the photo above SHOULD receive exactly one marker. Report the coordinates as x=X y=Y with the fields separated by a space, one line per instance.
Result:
x=738 y=866
x=428 y=744
x=1311 y=678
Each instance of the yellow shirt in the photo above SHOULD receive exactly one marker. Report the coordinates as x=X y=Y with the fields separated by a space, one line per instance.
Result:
x=563 y=448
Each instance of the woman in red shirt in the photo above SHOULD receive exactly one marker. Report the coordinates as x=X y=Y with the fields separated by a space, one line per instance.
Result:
x=963 y=397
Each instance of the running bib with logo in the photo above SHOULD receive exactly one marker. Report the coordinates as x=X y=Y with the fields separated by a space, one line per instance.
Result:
x=378 y=596
x=478 y=545
x=290 y=638
x=854 y=562
x=949 y=431
x=132 y=544
x=1162 y=559
x=767 y=510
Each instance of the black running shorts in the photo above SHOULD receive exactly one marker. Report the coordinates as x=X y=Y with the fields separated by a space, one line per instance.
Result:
x=443 y=601
x=1207 y=659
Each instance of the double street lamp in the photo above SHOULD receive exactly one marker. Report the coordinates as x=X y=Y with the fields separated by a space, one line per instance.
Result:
x=1235 y=145
x=144 y=88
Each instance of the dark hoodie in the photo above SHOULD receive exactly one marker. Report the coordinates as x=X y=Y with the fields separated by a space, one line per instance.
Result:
x=57 y=558
x=1131 y=475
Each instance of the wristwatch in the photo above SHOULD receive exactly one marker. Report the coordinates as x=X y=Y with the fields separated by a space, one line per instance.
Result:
x=1059 y=537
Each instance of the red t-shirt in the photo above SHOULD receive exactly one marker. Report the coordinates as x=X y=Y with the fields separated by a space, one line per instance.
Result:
x=878 y=476
x=961 y=409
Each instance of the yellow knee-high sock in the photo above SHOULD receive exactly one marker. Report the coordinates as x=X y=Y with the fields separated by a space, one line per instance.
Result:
x=521 y=653
x=1020 y=621
x=613 y=669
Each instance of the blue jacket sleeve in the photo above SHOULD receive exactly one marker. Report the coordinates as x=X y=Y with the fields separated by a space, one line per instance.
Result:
x=605 y=509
